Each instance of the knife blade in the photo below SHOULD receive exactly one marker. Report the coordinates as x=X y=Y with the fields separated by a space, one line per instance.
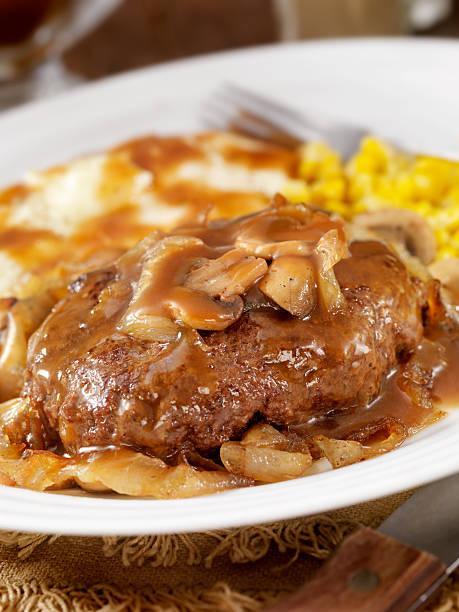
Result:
x=394 y=569
x=429 y=520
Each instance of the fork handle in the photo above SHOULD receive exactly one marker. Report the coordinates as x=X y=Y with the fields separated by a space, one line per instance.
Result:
x=370 y=572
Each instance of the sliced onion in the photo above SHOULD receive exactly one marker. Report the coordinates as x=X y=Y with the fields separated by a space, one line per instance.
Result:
x=263 y=435
x=19 y=422
x=33 y=469
x=20 y=319
x=330 y=249
x=394 y=433
x=318 y=466
x=136 y=321
x=340 y=452
x=131 y=473
x=263 y=464
x=147 y=327
x=121 y=470
x=346 y=452
x=186 y=481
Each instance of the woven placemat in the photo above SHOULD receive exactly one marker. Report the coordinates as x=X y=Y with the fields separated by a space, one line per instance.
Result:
x=233 y=570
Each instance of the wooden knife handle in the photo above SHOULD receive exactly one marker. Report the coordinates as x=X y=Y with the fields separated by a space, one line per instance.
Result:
x=370 y=572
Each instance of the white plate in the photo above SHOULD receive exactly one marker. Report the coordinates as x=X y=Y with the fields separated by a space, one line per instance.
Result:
x=405 y=89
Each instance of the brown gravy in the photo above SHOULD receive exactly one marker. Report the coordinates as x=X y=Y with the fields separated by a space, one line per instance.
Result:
x=446 y=381
x=439 y=356
x=328 y=343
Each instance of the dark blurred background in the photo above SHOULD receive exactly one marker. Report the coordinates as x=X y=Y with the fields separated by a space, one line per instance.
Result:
x=143 y=32
x=50 y=45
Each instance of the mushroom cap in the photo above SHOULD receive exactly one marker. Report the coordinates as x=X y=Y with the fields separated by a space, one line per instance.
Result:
x=447 y=271
x=402 y=225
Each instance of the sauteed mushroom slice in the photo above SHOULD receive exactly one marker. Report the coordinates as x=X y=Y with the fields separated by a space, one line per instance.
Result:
x=405 y=226
x=291 y=283
x=447 y=271
x=200 y=311
x=179 y=284
x=231 y=274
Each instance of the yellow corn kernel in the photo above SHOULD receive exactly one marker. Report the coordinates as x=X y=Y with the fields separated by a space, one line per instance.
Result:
x=334 y=189
x=379 y=176
x=340 y=208
x=447 y=250
x=296 y=190
x=358 y=207
x=373 y=157
x=360 y=186
x=318 y=161
x=446 y=218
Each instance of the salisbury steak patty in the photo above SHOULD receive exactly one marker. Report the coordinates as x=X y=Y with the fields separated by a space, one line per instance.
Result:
x=99 y=383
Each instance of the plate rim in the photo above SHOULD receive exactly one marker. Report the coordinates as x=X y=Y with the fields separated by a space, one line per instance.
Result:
x=21 y=514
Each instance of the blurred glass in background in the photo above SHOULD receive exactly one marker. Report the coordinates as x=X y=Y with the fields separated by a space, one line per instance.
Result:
x=49 y=45
x=33 y=36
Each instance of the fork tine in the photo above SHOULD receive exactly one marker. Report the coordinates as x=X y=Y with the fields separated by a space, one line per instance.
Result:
x=254 y=114
x=245 y=126
x=283 y=119
x=223 y=111
x=263 y=103
x=216 y=108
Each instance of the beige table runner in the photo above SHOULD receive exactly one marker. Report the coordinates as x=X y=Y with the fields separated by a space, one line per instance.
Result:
x=236 y=570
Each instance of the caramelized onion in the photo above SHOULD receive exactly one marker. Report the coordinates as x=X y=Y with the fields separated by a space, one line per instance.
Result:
x=20 y=422
x=330 y=249
x=18 y=320
x=339 y=452
x=396 y=434
x=152 y=328
x=121 y=470
x=34 y=469
x=262 y=455
x=153 y=261
x=160 y=294
x=300 y=211
x=447 y=271
x=262 y=463
x=284 y=229
x=262 y=435
x=346 y=452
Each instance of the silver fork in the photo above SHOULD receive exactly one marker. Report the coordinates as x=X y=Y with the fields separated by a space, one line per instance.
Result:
x=257 y=115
